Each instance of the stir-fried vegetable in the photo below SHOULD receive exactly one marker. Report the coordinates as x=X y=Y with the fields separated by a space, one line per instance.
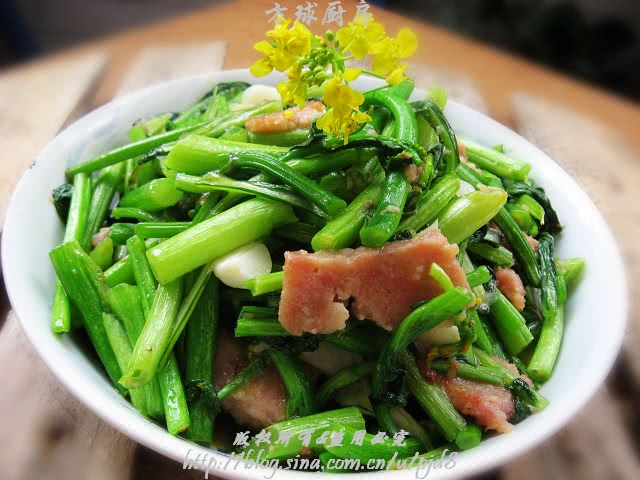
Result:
x=427 y=297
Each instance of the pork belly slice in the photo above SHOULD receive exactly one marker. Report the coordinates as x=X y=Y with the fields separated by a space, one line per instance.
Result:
x=490 y=405
x=378 y=284
x=511 y=285
x=259 y=403
x=286 y=120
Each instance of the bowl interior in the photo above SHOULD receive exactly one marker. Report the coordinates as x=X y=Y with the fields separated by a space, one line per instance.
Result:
x=596 y=311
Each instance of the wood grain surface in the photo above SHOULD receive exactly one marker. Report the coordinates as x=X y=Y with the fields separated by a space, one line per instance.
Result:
x=36 y=101
x=49 y=435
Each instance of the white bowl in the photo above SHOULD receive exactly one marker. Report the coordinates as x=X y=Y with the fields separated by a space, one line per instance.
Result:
x=596 y=312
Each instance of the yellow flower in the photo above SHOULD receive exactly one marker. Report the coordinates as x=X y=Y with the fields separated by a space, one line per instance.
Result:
x=339 y=94
x=344 y=115
x=293 y=90
x=389 y=51
x=358 y=38
x=350 y=74
x=287 y=46
x=397 y=75
x=261 y=68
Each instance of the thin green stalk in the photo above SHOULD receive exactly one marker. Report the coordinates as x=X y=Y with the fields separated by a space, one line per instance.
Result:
x=259 y=327
x=478 y=276
x=210 y=199
x=469 y=268
x=158 y=306
x=200 y=344
x=439 y=123
x=120 y=272
x=301 y=399
x=84 y=283
x=134 y=213
x=155 y=335
x=121 y=346
x=478 y=373
x=498 y=256
x=105 y=188
x=214 y=182
x=497 y=349
x=131 y=150
x=119 y=233
x=430 y=204
x=482 y=337
x=466 y=214
x=469 y=437
x=176 y=411
x=519 y=245
x=547 y=349
x=142 y=273
x=160 y=229
x=406 y=125
x=103 y=254
x=317 y=166
x=197 y=155
x=267 y=283
x=496 y=162
x=268 y=164
x=434 y=401
x=386 y=217
x=296 y=429
x=422 y=319
x=125 y=303
x=217 y=236
x=549 y=301
x=343 y=378
x=510 y=229
x=256 y=366
x=511 y=325
x=74 y=229
x=154 y=196
x=281 y=139
x=343 y=230
x=188 y=306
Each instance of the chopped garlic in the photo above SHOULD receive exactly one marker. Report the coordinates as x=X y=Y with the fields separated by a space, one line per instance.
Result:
x=442 y=334
x=242 y=264
x=258 y=94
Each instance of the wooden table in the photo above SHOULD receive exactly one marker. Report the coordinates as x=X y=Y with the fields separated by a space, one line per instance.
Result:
x=594 y=134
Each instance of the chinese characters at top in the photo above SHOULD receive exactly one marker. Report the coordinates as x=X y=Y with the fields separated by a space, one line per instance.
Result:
x=334 y=13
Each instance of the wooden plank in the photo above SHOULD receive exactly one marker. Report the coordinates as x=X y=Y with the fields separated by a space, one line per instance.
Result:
x=459 y=86
x=161 y=63
x=46 y=433
x=35 y=101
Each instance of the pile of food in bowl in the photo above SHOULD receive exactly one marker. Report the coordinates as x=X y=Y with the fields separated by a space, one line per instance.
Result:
x=332 y=270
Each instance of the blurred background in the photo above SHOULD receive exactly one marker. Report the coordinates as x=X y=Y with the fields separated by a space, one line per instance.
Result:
x=595 y=40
